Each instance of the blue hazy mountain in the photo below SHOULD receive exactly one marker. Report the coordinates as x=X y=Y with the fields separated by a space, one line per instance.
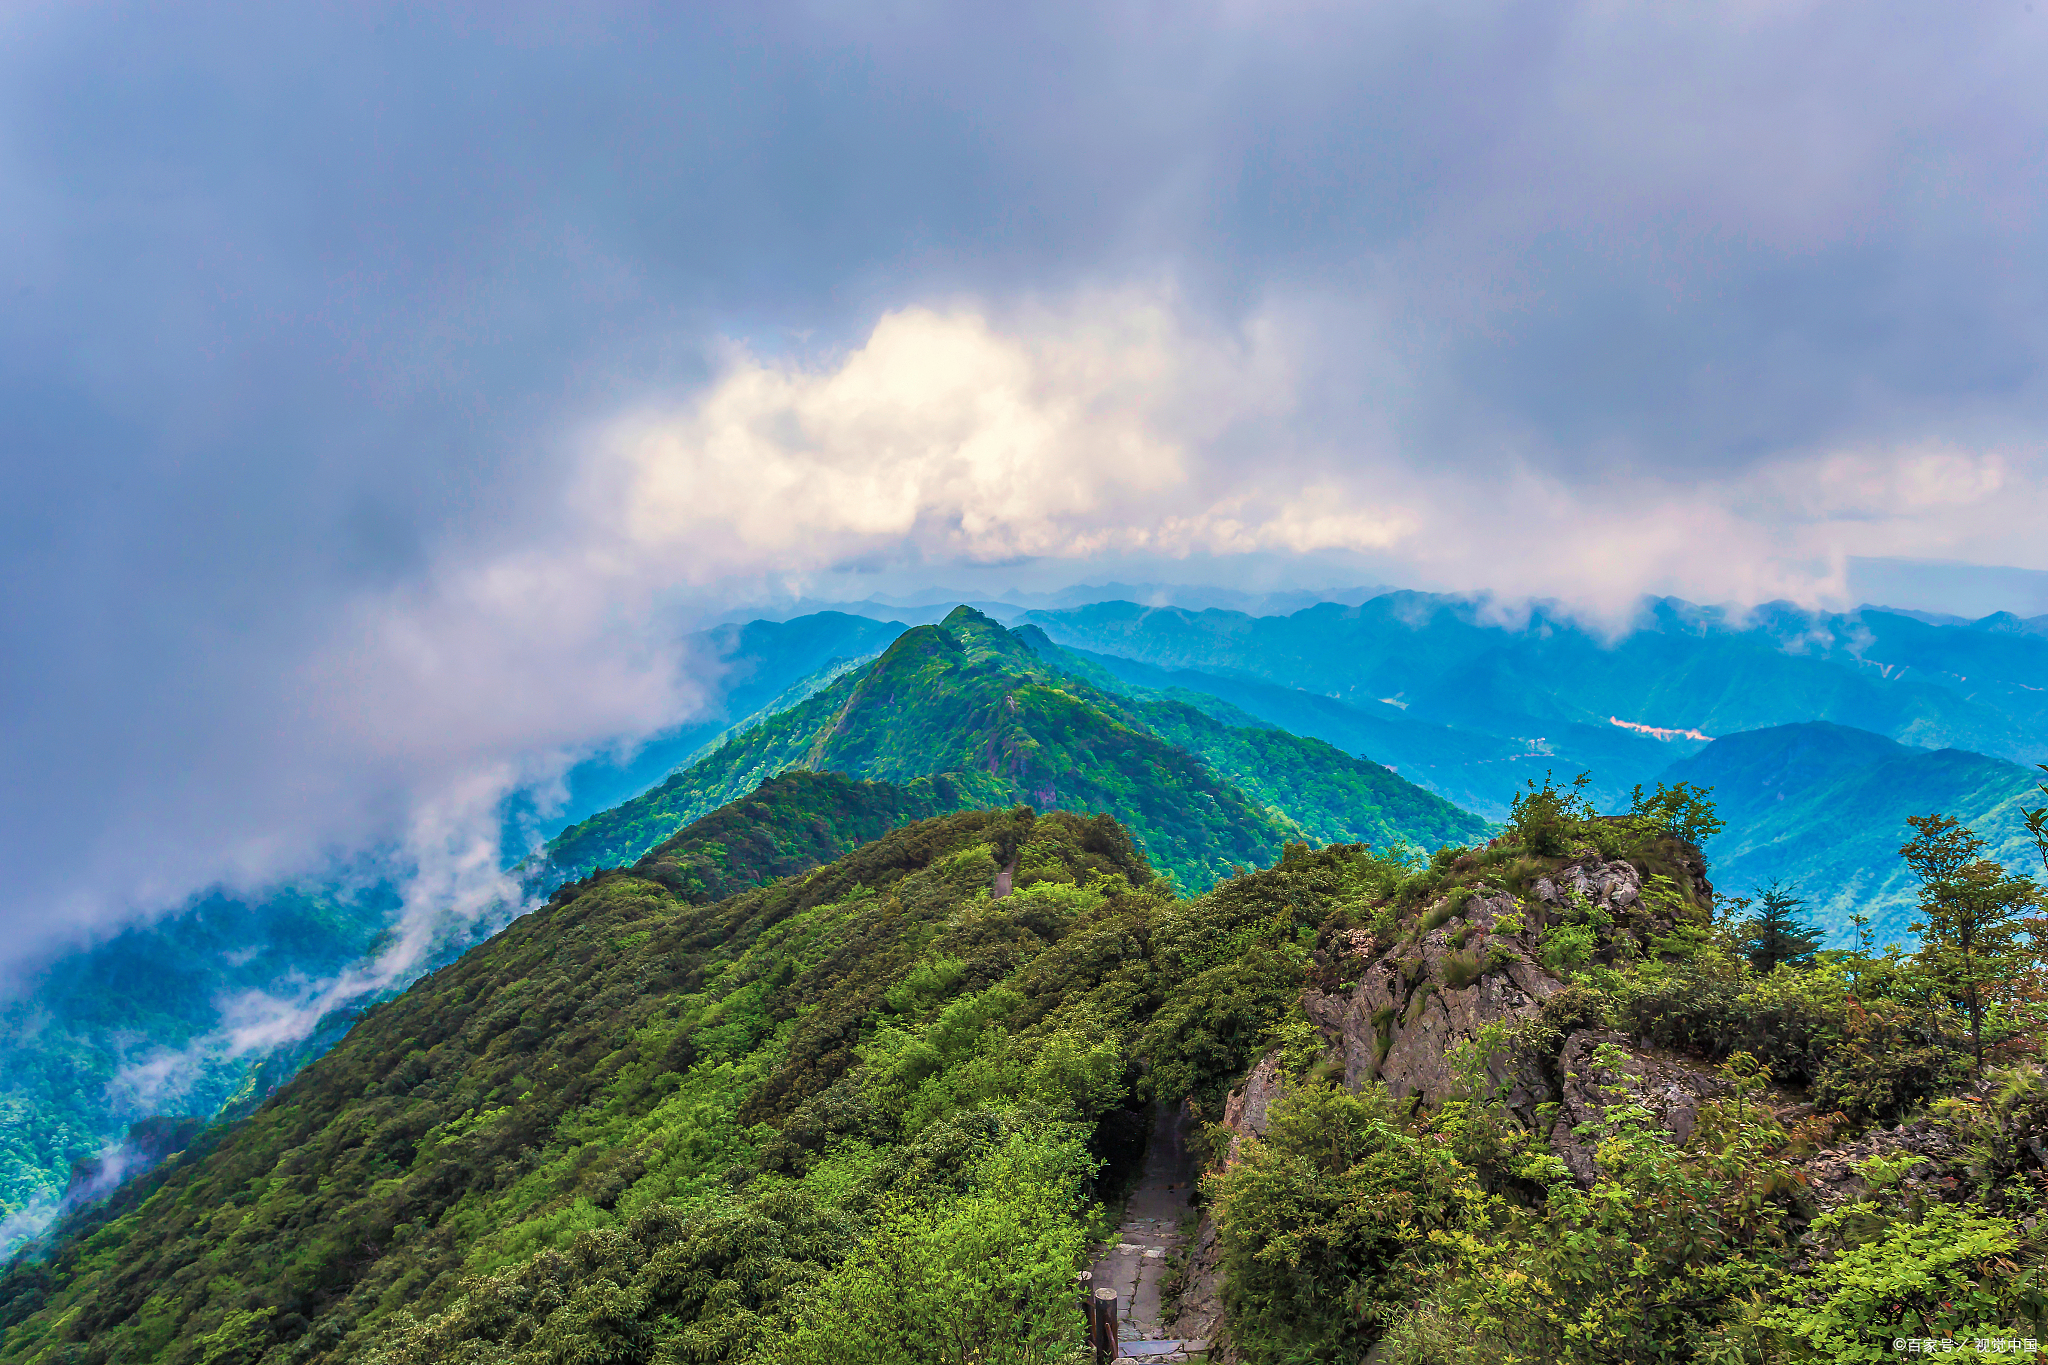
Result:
x=1823 y=809
x=1471 y=706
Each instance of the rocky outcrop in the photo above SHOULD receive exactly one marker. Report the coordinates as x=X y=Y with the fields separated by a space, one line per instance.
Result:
x=1593 y=1081
x=1832 y=1177
x=1247 y=1109
x=1198 y=1309
x=1414 y=1005
x=1611 y=886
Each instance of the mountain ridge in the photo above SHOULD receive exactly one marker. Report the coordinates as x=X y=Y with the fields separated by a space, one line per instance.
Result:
x=968 y=699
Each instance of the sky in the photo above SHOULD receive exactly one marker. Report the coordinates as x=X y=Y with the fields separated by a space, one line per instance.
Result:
x=386 y=391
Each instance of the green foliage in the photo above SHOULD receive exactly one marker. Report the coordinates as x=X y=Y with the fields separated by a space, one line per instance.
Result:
x=791 y=823
x=1568 y=947
x=1652 y=1263
x=1683 y=811
x=1971 y=912
x=1549 y=819
x=1211 y=1030
x=986 y=1275
x=1775 y=934
x=1955 y=1274
x=1297 y=1040
x=631 y=1123
x=1327 y=1224
x=1329 y=795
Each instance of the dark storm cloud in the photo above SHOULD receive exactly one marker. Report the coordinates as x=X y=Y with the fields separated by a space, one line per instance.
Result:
x=310 y=311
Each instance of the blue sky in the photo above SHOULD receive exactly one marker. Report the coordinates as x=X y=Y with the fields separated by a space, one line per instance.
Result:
x=382 y=389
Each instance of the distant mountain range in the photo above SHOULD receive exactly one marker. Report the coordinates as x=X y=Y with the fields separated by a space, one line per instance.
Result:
x=1823 y=809
x=1472 y=706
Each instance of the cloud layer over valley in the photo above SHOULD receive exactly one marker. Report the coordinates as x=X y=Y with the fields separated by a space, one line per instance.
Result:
x=386 y=392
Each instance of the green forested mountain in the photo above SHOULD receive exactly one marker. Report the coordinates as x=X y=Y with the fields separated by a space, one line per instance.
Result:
x=1527 y=1103
x=96 y=1039
x=1471 y=704
x=100 y=1038
x=736 y=1090
x=969 y=701
x=791 y=823
x=1823 y=809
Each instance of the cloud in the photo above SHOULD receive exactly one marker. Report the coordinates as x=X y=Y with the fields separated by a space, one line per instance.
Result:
x=383 y=389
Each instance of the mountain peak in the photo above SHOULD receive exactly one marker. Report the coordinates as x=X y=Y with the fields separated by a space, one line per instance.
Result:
x=982 y=638
x=963 y=615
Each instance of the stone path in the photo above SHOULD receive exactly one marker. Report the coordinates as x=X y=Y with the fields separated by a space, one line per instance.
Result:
x=1135 y=1266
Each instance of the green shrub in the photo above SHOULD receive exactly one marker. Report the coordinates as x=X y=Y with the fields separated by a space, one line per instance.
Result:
x=1461 y=969
x=1326 y=1224
x=1207 y=1034
x=1548 y=820
x=986 y=1276
x=1953 y=1274
x=1567 y=947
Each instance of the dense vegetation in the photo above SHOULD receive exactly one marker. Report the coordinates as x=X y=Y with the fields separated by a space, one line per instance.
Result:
x=868 y=1112
x=781 y=1126
x=968 y=701
x=789 y=824
x=1458 y=1235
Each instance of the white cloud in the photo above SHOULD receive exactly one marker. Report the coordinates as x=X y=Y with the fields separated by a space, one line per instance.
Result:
x=1119 y=424
x=946 y=435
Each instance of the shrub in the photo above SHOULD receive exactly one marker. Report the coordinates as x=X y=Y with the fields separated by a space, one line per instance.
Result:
x=1949 y=1273
x=1326 y=1224
x=1567 y=948
x=1461 y=969
x=1549 y=819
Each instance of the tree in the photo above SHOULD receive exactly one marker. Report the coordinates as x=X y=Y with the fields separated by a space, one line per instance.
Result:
x=1775 y=934
x=1970 y=923
x=2037 y=820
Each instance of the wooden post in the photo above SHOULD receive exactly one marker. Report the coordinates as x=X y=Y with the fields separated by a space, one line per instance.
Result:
x=1105 y=1326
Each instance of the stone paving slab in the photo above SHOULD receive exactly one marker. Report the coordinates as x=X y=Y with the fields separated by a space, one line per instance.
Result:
x=1151 y=1228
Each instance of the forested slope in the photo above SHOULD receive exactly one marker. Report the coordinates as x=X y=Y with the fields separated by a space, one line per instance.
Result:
x=968 y=702
x=1535 y=1101
x=725 y=1096
x=1823 y=809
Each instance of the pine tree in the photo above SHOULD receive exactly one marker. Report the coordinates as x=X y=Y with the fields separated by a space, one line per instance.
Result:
x=1970 y=923
x=1775 y=934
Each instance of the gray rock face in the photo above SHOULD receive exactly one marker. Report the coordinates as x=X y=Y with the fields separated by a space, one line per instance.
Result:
x=1591 y=1086
x=1198 y=1314
x=1612 y=886
x=1413 y=1006
x=1832 y=1175
x=1247 y=1109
